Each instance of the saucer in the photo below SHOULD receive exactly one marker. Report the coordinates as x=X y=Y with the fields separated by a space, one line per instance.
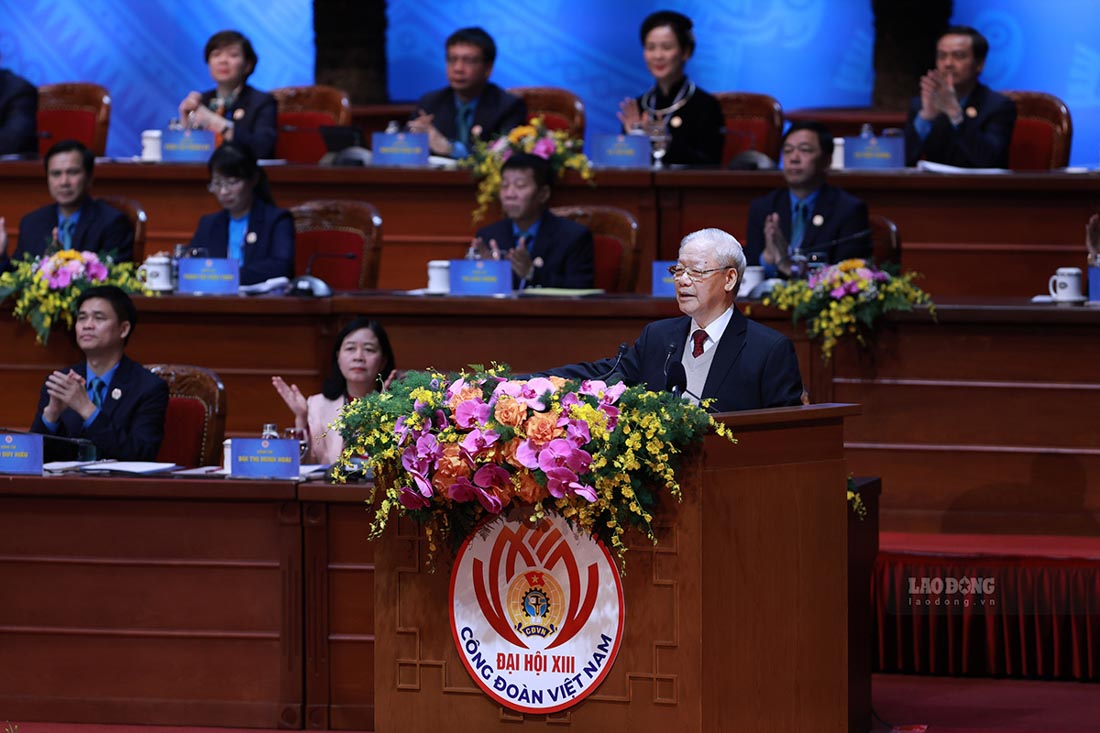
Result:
x=1069 y=301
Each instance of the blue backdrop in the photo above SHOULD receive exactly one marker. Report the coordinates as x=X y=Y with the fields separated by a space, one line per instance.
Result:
x=806 y=53
x=148 y=53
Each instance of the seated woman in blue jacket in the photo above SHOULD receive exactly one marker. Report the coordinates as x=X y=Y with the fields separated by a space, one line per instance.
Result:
x=250 y=228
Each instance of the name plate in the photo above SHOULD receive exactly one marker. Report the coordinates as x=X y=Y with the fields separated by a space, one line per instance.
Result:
x=264 y=458
x=620 y=151
x=874 y=152
x=664 y=286
x=481 y=277
x=400 y=149
x=21 y=454
x=208 y=276
x=186 y=146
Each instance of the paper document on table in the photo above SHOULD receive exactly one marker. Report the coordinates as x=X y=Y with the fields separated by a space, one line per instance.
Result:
x=927 y=165
x=561 y=292
x=64 y=466
x=267 y=286
x=138 y=468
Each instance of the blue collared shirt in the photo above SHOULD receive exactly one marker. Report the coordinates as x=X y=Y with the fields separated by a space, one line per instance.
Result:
x=90 y=375
x=771 y=270
x=460 y=149
x=66 y=242
x=238 y=230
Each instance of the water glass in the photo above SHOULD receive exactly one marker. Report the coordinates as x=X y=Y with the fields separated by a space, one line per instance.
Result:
x=299 y=435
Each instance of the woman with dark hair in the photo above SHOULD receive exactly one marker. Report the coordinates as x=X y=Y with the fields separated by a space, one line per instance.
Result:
x=250 y=228
x=232 y=108
x=691 y=117
x=362 y=362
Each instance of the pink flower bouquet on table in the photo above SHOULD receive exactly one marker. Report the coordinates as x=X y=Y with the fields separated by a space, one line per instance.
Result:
x=556 y=146
x=849 y=297
x=46 y=287
x=452 y=450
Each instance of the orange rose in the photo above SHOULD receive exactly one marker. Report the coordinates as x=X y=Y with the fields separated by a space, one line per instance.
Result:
x=558 y=382
x=468 y=392
x=527 y=488
x=509 y=412
x=506 y=453
x=449 y=467
x=542 y=427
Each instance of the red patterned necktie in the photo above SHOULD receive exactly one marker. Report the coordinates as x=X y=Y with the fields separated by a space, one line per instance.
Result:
x=698 y=338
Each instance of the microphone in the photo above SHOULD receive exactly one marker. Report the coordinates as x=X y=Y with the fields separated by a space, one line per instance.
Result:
x=668 y=355
x=618 y=360
x=314 y=287
x=676 y=382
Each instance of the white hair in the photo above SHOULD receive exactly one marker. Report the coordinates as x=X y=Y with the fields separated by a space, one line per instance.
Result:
x=727 y=250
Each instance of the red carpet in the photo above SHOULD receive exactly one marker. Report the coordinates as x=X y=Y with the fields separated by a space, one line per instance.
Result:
x=944 y=704
x=969 y=705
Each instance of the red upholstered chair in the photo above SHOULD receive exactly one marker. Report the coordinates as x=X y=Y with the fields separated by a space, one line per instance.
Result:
x=615 y=235
x=560 y=108
x=74 y=110
x=1043 y=132
x=753 y=122
x=339 y=227
x=133 y=211
x=885 y=240
x=302 y=111
x=194 y=427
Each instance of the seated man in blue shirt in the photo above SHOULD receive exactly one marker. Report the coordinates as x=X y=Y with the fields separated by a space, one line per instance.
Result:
x=75 y=220
x=808 y=218
x=109 y=399
x=470 y=107
x=546 y=250
x=956 y=119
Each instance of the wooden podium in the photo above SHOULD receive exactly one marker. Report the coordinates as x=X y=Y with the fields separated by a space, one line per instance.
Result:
x=735 y=621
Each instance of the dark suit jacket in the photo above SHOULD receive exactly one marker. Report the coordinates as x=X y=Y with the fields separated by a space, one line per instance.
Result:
x=564 y=247
x=979 y=142
x=18 y=114
x=497 y=111
x=754 y=367
x=129 y=428
x=271 y=255
x=700 y=136
x=101 y=228
x=254 y=115
x=843 y=217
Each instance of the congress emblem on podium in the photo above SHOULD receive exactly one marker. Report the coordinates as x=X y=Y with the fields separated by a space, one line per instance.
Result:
x=536 y=613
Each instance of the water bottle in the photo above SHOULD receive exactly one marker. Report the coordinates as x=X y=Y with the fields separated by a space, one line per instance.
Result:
x=798 y=264
x=393 y=127
x=270 y=431
x=866 y=132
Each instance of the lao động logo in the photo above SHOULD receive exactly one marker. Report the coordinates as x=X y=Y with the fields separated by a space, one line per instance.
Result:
x=536 y=613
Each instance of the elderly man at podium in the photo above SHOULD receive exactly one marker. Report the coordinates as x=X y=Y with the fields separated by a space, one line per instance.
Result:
x=713 y=351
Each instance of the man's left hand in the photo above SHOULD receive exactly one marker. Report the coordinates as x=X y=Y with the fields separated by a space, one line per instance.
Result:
x=522 y=264
x=437 y=142
x=67 y=390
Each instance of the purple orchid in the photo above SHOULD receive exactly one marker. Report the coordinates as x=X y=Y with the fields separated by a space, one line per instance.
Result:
x=478 y=440
x=471 y=413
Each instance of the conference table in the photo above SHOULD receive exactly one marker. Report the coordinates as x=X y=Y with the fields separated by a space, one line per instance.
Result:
x=980 y=418
x=969 y=234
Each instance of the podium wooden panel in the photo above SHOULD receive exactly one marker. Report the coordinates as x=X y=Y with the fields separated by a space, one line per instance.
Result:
x=151 y=601
x=736 y=621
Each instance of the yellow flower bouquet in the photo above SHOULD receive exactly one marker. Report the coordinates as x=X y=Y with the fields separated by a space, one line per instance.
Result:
x=451 y=450
x=46 y=287
x=556 y=146
x=846 y=298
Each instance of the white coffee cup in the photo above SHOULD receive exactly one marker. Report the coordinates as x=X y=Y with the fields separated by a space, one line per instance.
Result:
x=439 y=276
x=837 y=162
x=156 y=273
x=754 y=275
x=150 y=145
x=1065 y=284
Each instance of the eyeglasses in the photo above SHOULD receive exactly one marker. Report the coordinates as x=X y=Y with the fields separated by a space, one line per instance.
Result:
x=694 y=275
x=224 y=184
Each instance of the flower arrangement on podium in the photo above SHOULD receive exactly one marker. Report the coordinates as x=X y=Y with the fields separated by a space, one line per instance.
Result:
x=849 y=297
x=556 y=146
x=46 y=287
x=451 y=450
